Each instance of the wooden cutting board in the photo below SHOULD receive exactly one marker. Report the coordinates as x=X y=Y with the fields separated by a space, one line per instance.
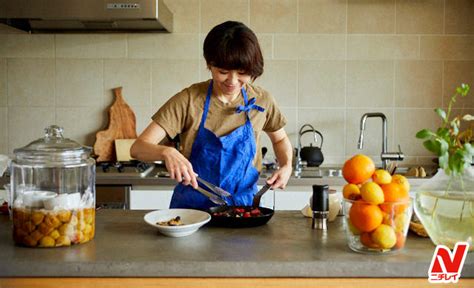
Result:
x=122 y=125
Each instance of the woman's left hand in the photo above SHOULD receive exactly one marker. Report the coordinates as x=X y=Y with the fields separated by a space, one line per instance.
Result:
x=280 y=177
x=284 y=153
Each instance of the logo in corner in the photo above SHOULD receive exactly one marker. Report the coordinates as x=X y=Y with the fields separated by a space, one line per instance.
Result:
x=446 y=266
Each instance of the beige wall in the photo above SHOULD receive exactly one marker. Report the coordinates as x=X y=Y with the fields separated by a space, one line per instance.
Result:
x=327 y=63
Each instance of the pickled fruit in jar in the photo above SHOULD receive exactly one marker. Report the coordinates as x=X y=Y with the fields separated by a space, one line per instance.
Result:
x=46 y=228
x=52 y=191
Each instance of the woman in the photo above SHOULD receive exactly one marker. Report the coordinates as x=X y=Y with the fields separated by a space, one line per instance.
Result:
x=219 y=122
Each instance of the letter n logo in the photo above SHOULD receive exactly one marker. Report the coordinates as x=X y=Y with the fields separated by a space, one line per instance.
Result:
x=446 y=266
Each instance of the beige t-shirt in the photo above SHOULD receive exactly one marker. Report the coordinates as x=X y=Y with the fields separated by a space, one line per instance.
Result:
x=182 y=114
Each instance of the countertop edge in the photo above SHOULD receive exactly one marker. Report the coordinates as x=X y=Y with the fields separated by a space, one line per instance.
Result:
x=325 y=269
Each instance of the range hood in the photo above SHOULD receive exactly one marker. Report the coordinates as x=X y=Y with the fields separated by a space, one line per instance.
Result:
x=56 y=16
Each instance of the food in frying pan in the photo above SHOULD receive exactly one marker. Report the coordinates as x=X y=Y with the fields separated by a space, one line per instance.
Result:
x=237 y=212
x=172 y=222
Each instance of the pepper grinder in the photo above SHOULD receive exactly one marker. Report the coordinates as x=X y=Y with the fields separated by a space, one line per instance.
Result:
x=320 y=207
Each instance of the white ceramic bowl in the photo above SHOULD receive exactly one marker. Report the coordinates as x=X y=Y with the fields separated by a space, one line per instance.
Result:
x=192 y=220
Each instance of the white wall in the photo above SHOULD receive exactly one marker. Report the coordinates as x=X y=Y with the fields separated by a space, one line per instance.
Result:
x=326 y=62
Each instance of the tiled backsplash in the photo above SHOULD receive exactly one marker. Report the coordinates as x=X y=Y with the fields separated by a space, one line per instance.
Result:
x=326 y=62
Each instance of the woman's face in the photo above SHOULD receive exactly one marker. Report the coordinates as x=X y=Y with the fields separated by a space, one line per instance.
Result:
x=228 y=82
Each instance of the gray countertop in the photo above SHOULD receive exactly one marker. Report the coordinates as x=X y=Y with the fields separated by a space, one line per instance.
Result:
x=125 y=246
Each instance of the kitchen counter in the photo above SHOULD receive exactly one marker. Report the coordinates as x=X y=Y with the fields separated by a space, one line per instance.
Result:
x=125 y=246
x=155 y=178
x=103 y=179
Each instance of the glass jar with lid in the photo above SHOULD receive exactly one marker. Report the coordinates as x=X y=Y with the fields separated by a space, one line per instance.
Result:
x=53 y=192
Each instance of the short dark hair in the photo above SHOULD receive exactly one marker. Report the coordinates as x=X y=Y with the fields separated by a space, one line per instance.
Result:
x=232 y=45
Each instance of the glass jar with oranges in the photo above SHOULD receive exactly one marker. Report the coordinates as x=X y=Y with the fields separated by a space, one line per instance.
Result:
x=376 y=228
x=377 y=207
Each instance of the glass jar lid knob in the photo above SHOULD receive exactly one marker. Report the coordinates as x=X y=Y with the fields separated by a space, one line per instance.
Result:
x=53 y=131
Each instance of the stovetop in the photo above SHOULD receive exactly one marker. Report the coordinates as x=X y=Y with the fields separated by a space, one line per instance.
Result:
x=124 y=169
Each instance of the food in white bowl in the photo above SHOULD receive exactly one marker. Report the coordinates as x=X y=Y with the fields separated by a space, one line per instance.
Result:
x=172 y=222
x=190 y=219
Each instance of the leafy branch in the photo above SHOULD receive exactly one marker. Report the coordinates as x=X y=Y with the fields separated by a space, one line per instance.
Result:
x=452 y=146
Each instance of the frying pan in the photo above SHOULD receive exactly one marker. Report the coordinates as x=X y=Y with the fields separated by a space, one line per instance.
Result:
x=242 y=222
x=239 y=222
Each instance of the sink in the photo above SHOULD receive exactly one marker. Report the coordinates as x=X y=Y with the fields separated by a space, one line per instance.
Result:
x=336 y=172
x=159 y=172
x=319 y=172
x=312 y=172
x=408 y=172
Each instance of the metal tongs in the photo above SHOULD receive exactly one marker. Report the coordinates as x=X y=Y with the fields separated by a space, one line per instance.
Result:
x=219 y=192
x=216 y=189
x=214 y=198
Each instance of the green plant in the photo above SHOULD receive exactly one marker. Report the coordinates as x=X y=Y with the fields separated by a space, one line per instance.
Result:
x=451 y=144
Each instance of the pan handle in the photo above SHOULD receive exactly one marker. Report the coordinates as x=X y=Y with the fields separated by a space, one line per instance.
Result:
x=259 y=194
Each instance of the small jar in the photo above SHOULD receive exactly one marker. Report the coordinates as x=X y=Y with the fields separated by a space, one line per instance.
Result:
x=334 y=205
x=53 y=192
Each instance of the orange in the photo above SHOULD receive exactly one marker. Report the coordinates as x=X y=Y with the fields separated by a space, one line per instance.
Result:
x=384 y=236
x=352 y=228
x=372 y=193
x=381 y=176
x=387 y=218
x=401 y=222
x=364 y=216
x=358 y=169
x=400 y=240
x=394 y=192
x=351 y=191
x=401 y=180
x=393 y=208
x=366 y=240
x=398 y=221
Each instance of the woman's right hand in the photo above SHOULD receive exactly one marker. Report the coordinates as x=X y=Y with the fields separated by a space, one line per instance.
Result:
x=145 y=148
x=179 y=167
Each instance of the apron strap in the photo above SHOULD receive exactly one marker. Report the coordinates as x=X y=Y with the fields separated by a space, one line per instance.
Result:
x=246 y=98
x=206 y=105
x=249 y=105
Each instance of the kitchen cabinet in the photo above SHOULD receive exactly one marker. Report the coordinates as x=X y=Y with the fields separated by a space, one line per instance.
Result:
x=150 y=197
x=292 y=198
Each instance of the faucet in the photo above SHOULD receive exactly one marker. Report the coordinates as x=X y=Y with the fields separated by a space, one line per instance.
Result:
x=298 y=162
x=385 y=156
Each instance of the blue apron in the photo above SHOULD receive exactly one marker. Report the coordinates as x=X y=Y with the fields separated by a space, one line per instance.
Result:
x=224 y=161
